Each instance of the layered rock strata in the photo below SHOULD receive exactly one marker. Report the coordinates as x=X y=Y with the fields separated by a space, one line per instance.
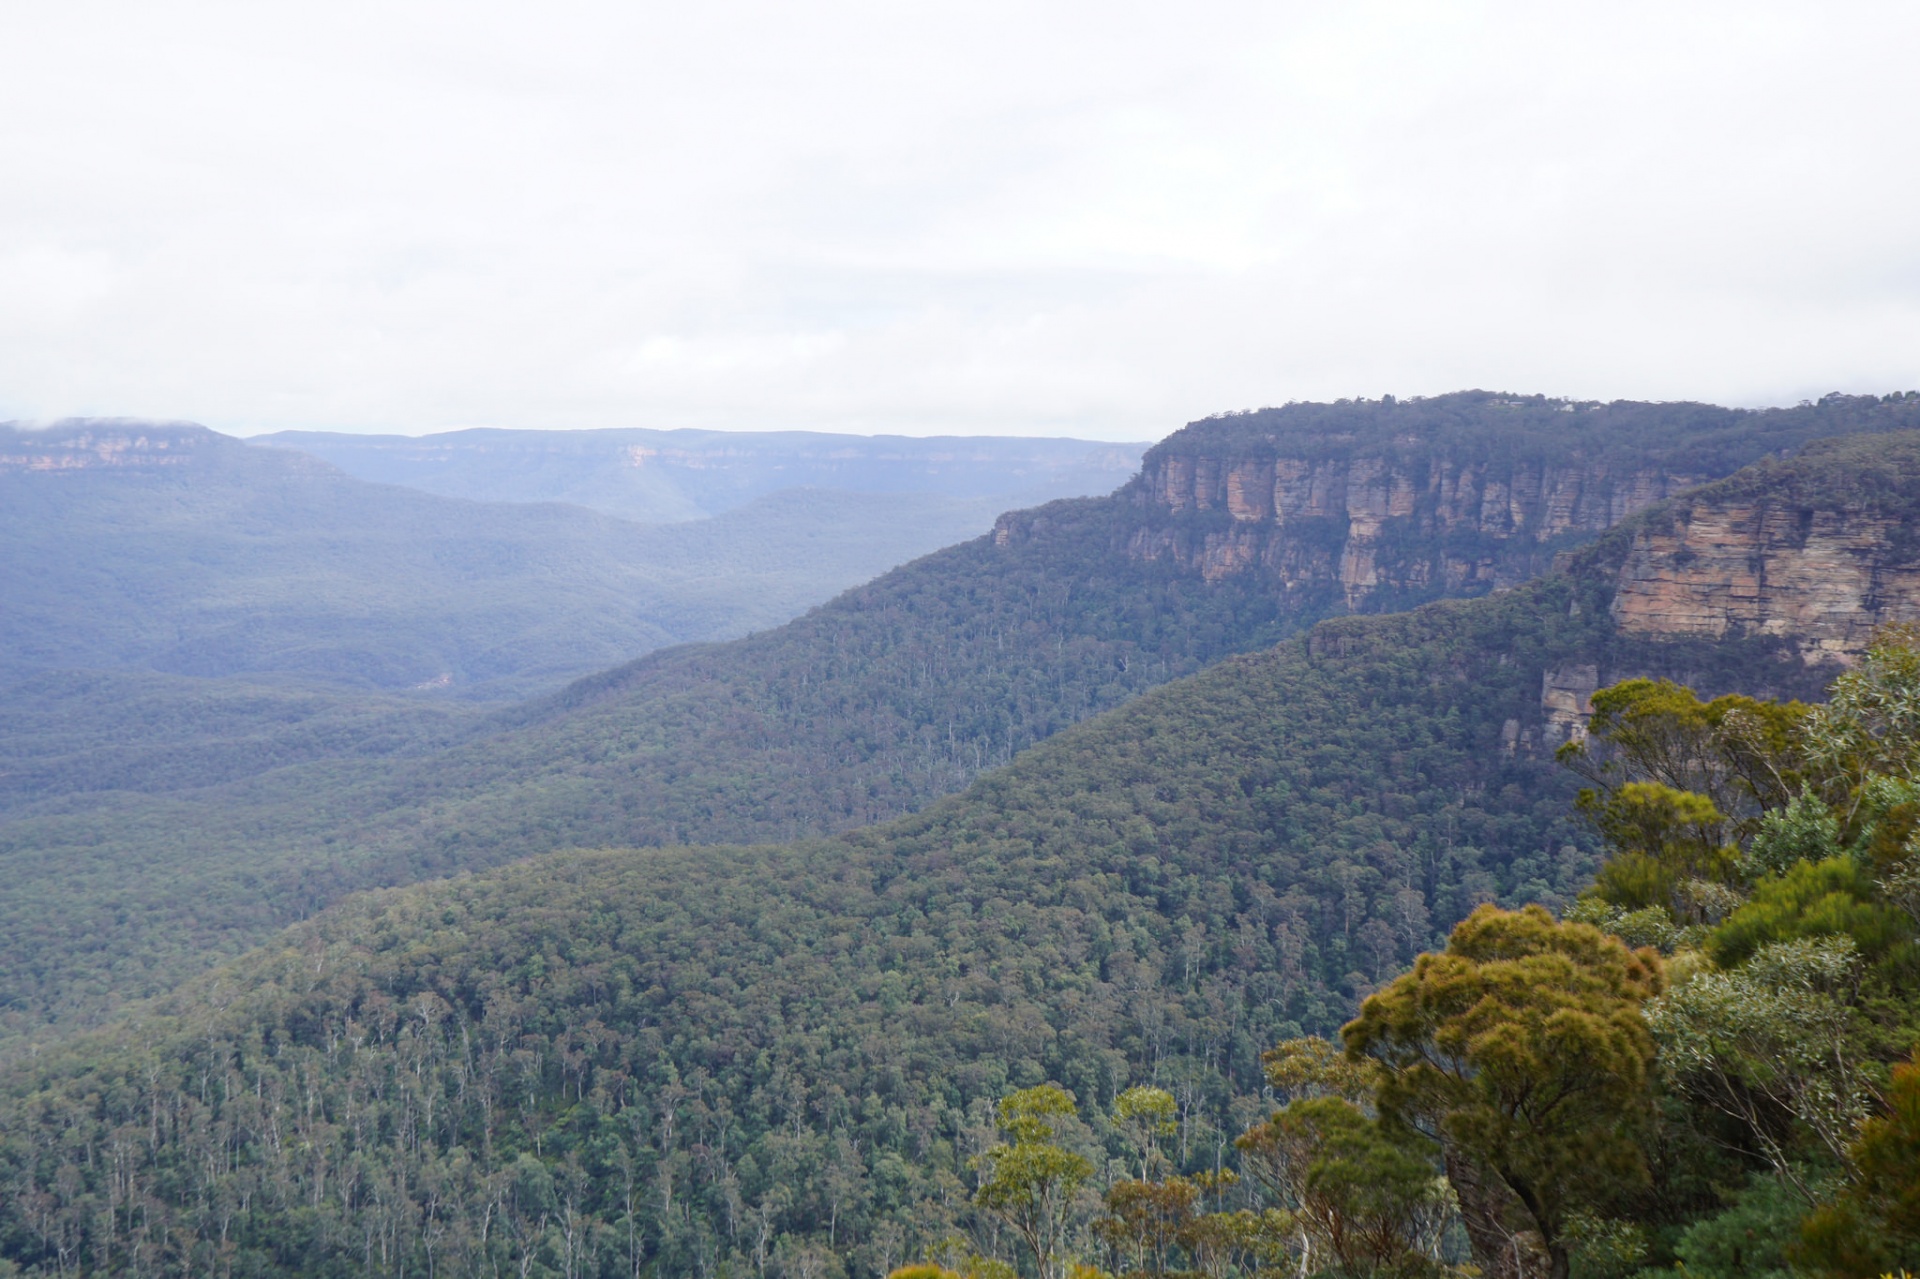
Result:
x=1824 y=578
x=98 y=445
x=1367 y=528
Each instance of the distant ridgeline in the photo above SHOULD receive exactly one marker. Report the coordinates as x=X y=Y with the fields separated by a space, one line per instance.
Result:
x=1240 y=531
x=693 y=1059
x=659 y=476
x=167 y=547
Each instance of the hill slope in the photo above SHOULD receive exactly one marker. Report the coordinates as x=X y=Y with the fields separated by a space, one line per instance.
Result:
x=690 y=1058
x=892 y=695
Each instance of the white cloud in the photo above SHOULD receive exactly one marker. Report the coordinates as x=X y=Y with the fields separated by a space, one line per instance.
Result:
x=1094 y=218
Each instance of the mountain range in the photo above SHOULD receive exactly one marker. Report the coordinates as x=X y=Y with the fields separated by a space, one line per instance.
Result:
x=1123 y=791
x=172 y=548
x=673 y=476
x=869 y=707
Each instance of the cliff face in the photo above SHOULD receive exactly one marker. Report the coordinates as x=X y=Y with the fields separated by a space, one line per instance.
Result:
x=1813 y=554
x=101 y=444
x=1823 y=577
x=1811 y=547
x=1366 y=525
x=1374 y=506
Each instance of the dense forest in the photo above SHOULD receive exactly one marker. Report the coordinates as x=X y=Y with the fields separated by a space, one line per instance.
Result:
x=894 y=694
x=1621 y=435
x=830 y=1057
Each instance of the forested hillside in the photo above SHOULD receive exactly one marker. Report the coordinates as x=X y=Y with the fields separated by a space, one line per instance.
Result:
x=893 y=695
x=78 y=733
x=692 y=1059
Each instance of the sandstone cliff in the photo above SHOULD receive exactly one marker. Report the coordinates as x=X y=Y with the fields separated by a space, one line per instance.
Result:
x=1820 y=559
x=1374 y=506
x=103 y=443
x=1408 y=524
x=1810 y=555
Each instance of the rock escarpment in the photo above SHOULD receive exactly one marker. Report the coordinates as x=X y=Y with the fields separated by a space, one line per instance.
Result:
x=1822 y=564
x=1404 y=523
x=1808 y=556
x=1374 y=506
x=92 y=444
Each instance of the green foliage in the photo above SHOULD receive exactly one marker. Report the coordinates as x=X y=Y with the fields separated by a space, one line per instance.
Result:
x=868 y=708
x=1874 y=1225
x=923 y=1270
x=1694 y=439
x=1871 y=723
x=1831 y=898
x=1310 y=1067
x=1360 y=1191
x=1673 y=827
x=897 y=693
x=1748 y=1240
x=1603 y=1247
x=1522 y=1048
x=786 y=1058
x=1151 y=1227
x=1647 y=926
x=1804 y=831
x=1665 y=842
x=1733 y=751
x=1030 y=1184
x=797 y=1041
x=1147 y=1116
x=1146 y=1223
x=1774 y=1038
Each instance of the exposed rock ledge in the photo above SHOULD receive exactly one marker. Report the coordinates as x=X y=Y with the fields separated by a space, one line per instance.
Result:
x=1366 y=525
x=96 y=444
x=1825 y=578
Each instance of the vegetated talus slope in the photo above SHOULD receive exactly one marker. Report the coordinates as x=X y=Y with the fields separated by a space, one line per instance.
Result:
x=892 y=695
x=696 y=1057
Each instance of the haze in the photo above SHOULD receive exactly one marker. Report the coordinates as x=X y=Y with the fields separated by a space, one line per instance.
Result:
x=1087 y=219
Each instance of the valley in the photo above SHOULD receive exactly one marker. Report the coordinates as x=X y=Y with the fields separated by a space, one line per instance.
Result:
x=1120 y=794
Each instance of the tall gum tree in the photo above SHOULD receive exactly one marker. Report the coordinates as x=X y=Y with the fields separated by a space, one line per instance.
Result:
x=1522 y=1049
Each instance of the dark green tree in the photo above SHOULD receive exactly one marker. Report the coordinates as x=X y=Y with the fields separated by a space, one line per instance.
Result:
x=1523 y=1051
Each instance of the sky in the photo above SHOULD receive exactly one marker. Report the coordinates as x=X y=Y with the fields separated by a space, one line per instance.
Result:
x=1094 y=219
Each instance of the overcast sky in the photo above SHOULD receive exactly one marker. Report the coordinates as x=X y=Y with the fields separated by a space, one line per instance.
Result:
x=1097 y=219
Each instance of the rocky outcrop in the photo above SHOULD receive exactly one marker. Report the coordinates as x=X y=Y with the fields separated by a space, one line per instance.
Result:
x=1398 y=524
x=1823 y=577
x=102 y=444
x=1812 y=554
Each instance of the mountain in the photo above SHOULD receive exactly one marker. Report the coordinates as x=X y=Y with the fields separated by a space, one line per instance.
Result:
x=175 y=549
x=696 y=1058
x=665 y=476
x=1237 y=532
x=874 y=705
